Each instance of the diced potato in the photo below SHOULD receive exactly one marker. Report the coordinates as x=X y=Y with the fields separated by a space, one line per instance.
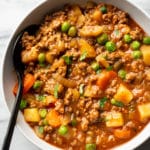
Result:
x=91 y=91
x=97 y=15
x=102 y=61
x=144 y=111
x=28 y=56
x=31 y=115
x=86 y=47
x=50 y=99
x=90 y=31
x=114 y=119
x=123 y=94
x=146 y=54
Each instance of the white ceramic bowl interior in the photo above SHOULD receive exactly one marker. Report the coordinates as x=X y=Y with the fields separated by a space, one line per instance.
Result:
x=8 y=75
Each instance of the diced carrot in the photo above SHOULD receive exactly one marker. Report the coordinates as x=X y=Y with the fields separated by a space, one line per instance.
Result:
x=53 y=118
x=28 y=82
x=104 y=79
x=122 y=133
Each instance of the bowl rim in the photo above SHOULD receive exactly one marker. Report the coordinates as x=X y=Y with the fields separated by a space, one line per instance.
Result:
x=135 y=5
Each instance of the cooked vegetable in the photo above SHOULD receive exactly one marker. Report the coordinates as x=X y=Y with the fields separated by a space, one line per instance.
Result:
x=73 y=122
x=136 y=54
x=123 y=94
x=39 y=130
x=114 y=119
x=81 y=89
x=102 y=61
x=41 y=97
x=122 y=74
x=109 y=68
x=145 y=49
x=41 y=58
x=63 y=130
x=23 y=104
x=28 y=56
x=135 y=45
x=85 y=47
x=50 y=100
x=67 y=59
x=110 y=46
x=97 y=15
x=91 y=31
x=37 y=84
x=31 y=115
x=102 y=39
x=116 y=103
x=102 y=102
x=83 y=56
x=146 y=40
x=49 y=57
x=122 y=133
x=144 y=111
x=43 y=113
x=56 y=90
x=53 y=118
x=65 y=82
x=28 y=82
x=103 y=9
x=89 y=91
x=104 y=79
x=127 y=38
x=95 y=66
x=72 y=31
x=90 y=147
x=65 y=26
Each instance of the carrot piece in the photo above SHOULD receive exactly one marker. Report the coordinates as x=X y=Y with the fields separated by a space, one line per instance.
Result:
x=28 y=82
x=104 y=78
x=122 y=133
x=53 y=118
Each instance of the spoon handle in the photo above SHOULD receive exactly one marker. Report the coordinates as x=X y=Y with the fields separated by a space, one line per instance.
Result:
x=12 y=121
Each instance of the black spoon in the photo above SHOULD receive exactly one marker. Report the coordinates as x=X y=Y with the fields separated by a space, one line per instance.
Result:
x=19 y=68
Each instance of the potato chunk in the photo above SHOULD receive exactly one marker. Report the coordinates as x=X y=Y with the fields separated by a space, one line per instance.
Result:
x=114 y=119
x=31 y=115
x=123 y=94
x=144 y=111
x=86 y=47
x=91 y=31
x=146 y=54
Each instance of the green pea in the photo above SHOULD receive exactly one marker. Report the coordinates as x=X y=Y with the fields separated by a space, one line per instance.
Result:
x=103 y=9
x=116 y=103
x=65 y=26
x=110 y=46
x=135 y=45
x=95 y=66
x=72 y=31
x=37 y=84
x=63 y=130
x=146 y=40
x=102 y=39
x=41 y=58
x=122 y=74
x=136 y=54
x=90 y=147
x=45 y=122
x=23 y=104
x=43 y=113
x=127 y=38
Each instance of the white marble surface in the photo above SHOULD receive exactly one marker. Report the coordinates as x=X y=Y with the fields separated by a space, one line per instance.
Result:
x=11 y=13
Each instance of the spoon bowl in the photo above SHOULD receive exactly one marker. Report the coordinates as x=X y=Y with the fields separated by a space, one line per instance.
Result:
x=19 y=68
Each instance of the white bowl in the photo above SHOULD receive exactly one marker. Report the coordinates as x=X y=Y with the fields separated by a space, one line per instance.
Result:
x=8 y=75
